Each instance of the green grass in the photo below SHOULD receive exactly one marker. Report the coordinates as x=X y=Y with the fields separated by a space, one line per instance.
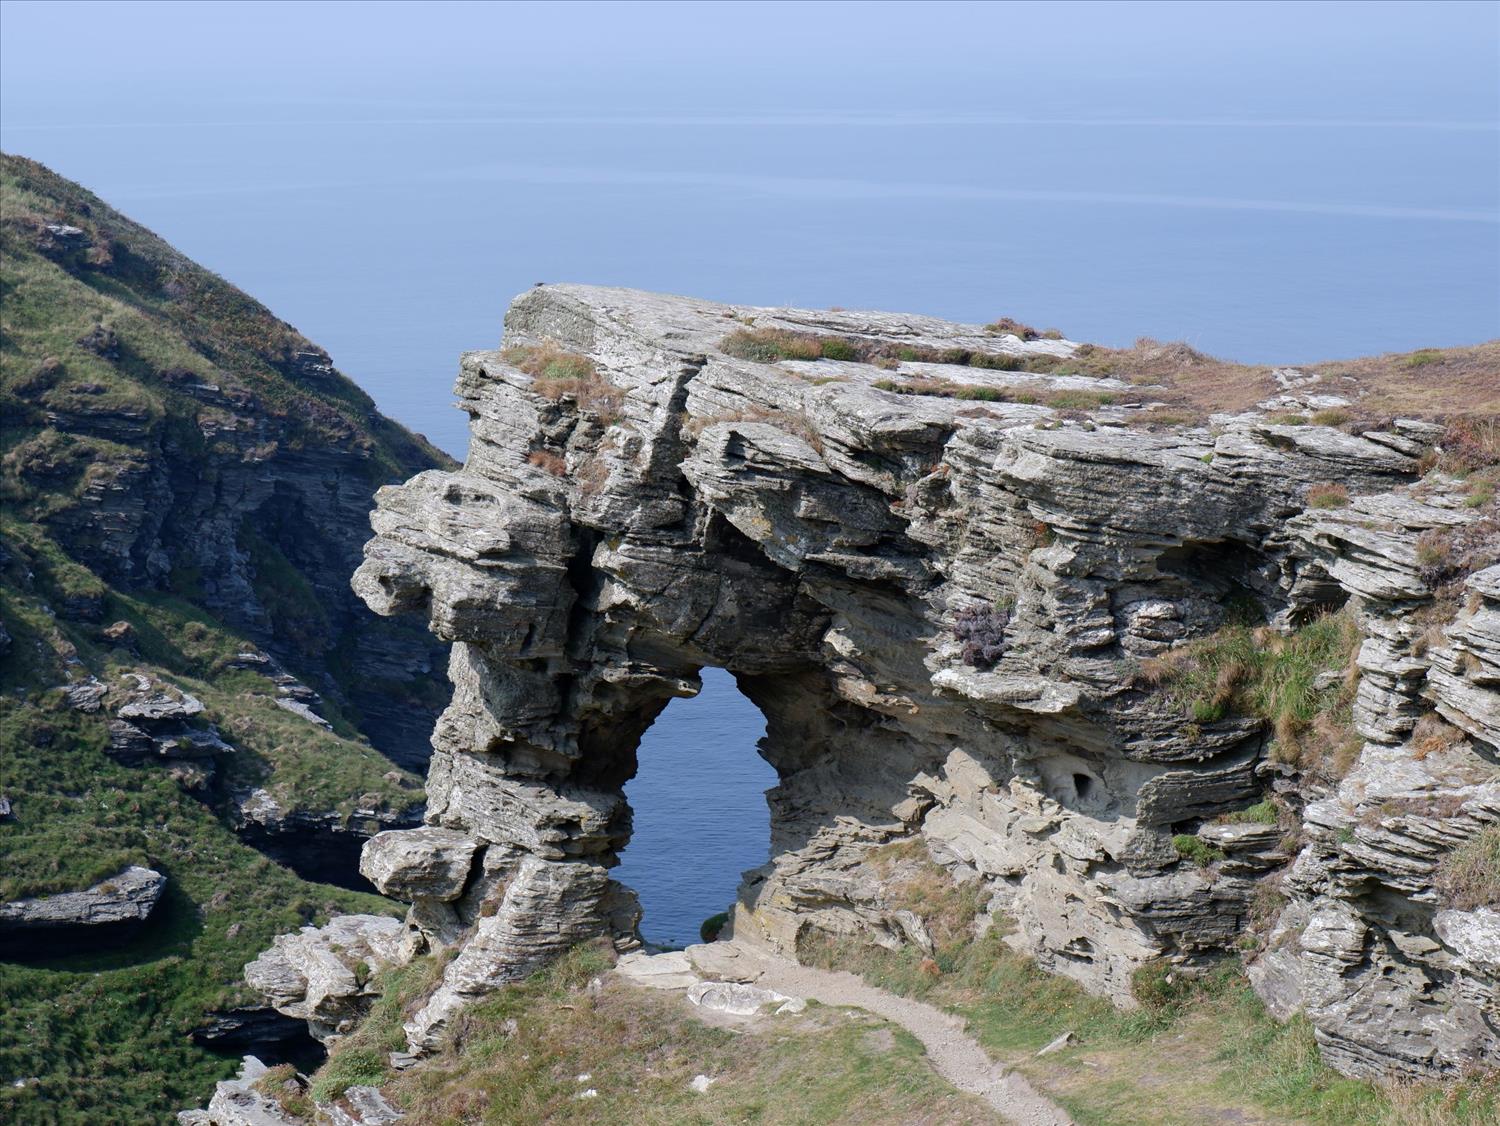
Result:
x=1195 y=851
x=106 y=1034
x=1198 y=1048
x=1469 y=876
x=1261 y=813
x=640 y=1049
x=100 y=346
x=1245 y=670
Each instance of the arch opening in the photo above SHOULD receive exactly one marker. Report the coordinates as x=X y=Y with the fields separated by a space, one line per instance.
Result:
x=699 y=811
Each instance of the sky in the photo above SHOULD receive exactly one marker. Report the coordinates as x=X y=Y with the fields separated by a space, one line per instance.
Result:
x=1272 y=182
x=1433 y=60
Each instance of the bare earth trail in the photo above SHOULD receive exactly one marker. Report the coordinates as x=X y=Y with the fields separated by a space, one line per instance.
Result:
x=955 y=1054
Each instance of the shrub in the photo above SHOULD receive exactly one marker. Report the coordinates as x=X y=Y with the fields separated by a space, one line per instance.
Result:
x=1469 y=876
x=1155 y=986
x=1261 y=813
x=712 y=926
x=1435 y=562
x=981 y=629
x=1470 y=444
x=1199 y=852
x=1481 y=492
x=1327 y=495
x=350 y=1068
x=767 y=345
x=1007 y=326
x=837 y=348
x=283 y=1086
x=1432 y=735
x=548 y=461
x=1254 y=671
x=548 y=361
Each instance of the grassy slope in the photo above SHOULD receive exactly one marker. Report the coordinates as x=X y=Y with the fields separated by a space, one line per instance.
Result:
x=106 y=1035
x=640 y=1051
x=1196 y=1051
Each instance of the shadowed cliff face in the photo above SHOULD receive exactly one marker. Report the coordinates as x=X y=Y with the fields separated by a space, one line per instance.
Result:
x=164 y=433
x=978 y=589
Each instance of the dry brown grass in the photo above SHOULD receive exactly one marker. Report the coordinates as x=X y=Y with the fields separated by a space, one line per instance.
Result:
x=1327 y=495
x=1469 y=876
x=1471 y=444
x=1008 y=326
x=548 y=461
x=1462 y=1103
x=517 y=1057
x=549 y=361
x=1426 y=383
x=562 y=375
x=1433 y=735
x=792 y=421
x=1188 y=379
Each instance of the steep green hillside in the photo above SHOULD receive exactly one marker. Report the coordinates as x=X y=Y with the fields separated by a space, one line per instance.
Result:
x=186 y=482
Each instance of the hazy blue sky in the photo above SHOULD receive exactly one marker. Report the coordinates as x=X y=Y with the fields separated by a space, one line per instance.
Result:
x=1407 y=60
x=1274 y=182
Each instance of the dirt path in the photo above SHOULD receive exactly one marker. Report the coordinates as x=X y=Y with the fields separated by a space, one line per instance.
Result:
x=955 y=1054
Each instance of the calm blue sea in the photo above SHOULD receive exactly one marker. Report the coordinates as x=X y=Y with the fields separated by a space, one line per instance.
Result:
x=700 y=810
x=1270 y=182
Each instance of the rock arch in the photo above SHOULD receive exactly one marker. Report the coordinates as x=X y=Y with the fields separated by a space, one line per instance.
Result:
x=822 y=539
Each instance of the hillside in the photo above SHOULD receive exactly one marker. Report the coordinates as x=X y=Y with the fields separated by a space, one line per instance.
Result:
x=188 y=683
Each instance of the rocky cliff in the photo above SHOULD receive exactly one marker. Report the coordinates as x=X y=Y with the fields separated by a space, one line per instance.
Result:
x=185 y=488
x=165 y=432
x=1177 y=658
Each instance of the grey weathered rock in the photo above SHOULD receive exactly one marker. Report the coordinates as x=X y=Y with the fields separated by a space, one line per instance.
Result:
x=362 y=1106
x=411 y=863
x=302 y=711
x=238 y=1102
x=319 y=844
x=836 y=546
x=734 y=998
x=100 y=915
x=322 y=974
x=670 y=970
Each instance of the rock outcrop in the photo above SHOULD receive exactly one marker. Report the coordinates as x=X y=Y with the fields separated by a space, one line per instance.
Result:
x=322 y=845
x=946 y=596
x=108 y=913
x=322 y=974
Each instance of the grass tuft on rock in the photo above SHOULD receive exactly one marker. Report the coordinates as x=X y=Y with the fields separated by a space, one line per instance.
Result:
x=1301 y=684
x=1469 y=876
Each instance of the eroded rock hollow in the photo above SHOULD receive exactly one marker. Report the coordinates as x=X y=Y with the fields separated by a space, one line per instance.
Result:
x=947 y=609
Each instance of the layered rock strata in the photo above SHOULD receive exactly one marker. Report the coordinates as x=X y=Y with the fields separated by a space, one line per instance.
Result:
x=942 y=605
x=108 y=913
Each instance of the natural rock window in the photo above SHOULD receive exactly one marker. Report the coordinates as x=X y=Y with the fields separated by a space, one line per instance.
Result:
x=685 y=858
